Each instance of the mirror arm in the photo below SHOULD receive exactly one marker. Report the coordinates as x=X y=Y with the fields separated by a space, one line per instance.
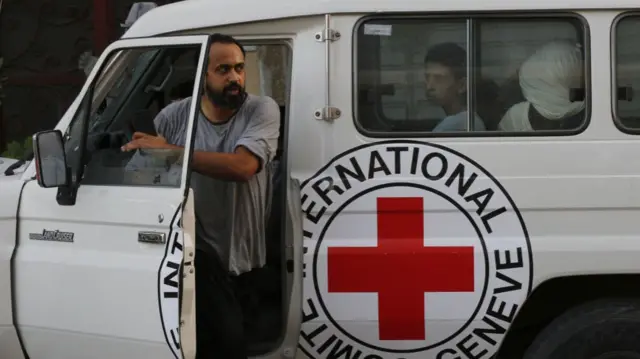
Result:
x=67 y=195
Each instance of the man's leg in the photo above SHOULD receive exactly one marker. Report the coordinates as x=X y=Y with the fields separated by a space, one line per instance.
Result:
x=220 y=333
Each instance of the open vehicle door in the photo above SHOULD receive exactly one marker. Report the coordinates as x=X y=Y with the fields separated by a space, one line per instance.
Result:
x=104 y=263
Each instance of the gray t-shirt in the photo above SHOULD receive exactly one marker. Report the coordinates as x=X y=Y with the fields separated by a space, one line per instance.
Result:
x=458 y=122
x=231 y=217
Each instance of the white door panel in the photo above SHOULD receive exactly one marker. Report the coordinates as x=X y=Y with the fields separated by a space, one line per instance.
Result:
x=100 y=289
x=104 y=267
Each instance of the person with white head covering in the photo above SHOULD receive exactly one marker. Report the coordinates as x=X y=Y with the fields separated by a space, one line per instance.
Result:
x=546 y=80
x=446 y=85
x=87 y=61
x=137 y=10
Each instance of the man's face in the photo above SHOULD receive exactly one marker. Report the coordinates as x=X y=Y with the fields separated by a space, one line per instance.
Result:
x=442 y=86
x=224 y=84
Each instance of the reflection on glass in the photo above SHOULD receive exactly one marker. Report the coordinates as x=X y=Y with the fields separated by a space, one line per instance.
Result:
x=627 y=67
x=52 y=162
x=523 y=75
x=149 y=75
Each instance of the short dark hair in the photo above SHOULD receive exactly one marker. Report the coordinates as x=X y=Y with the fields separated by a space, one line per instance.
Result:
x=450 y=55
x=226 y=39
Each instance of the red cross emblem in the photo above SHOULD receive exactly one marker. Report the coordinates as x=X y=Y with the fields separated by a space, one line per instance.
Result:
x=400 y=269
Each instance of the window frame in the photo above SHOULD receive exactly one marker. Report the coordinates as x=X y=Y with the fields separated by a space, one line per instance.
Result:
x=613 y=43
x=470 y=17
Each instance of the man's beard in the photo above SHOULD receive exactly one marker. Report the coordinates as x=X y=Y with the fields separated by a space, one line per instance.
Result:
x=226 y=98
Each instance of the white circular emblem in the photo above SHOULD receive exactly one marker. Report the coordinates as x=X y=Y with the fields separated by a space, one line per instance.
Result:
x=413 y=250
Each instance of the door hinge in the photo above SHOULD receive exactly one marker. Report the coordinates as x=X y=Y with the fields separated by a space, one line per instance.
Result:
x=327 y=113
x=327 y=34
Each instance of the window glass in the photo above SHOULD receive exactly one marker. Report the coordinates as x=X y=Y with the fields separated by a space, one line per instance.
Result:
x=627 y=61
x=525 y=76
x=126 y=98
x=268 y=73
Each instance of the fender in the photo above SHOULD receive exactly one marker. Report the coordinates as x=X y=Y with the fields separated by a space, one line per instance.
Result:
x=10 y=190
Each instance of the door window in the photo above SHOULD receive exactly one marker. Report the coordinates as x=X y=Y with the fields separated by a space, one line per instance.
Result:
x=126 y=98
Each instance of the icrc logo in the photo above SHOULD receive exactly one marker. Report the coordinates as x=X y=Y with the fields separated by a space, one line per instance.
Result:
x=414 y=251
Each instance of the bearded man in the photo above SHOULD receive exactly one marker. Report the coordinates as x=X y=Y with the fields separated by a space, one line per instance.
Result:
x=236 y=139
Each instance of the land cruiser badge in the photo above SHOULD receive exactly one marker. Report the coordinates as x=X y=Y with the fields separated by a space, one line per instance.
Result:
x=54 y=236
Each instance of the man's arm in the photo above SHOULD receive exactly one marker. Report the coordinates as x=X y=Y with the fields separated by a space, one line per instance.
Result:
x=146 y=169
x=137 y=161
x=253 y=151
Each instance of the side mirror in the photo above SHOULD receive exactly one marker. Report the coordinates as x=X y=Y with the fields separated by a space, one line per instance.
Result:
x=51 y=162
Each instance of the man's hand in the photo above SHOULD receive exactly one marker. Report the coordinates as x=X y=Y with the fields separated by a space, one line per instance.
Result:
x=143 y=140
x=157 y=147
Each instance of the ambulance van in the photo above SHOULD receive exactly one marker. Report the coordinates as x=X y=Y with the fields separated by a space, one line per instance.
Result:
x=455 y=180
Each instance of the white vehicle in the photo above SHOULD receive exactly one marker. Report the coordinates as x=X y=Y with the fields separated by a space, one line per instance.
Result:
x=389 y=239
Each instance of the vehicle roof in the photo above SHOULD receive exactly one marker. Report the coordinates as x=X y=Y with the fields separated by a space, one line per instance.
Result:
x=197 y=14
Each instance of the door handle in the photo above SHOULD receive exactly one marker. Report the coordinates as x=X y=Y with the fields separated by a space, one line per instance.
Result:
x=151 y=237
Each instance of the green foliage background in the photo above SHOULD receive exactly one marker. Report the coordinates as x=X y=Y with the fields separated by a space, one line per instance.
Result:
x=18 y=150
x=15 y=149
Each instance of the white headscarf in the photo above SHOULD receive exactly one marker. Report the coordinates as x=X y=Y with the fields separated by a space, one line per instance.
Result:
x=137 y=10
x=546 y=79
x=87 y=61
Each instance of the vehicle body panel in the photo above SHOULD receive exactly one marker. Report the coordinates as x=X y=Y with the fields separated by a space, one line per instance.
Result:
x=10 y=189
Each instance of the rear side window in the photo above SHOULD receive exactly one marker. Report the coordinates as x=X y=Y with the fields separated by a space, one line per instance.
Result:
x=626 y=32
x=484 y=76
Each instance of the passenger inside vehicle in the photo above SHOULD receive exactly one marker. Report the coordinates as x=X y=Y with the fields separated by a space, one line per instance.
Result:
x=550 y=81
x=393 y=94
x=446 y=85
